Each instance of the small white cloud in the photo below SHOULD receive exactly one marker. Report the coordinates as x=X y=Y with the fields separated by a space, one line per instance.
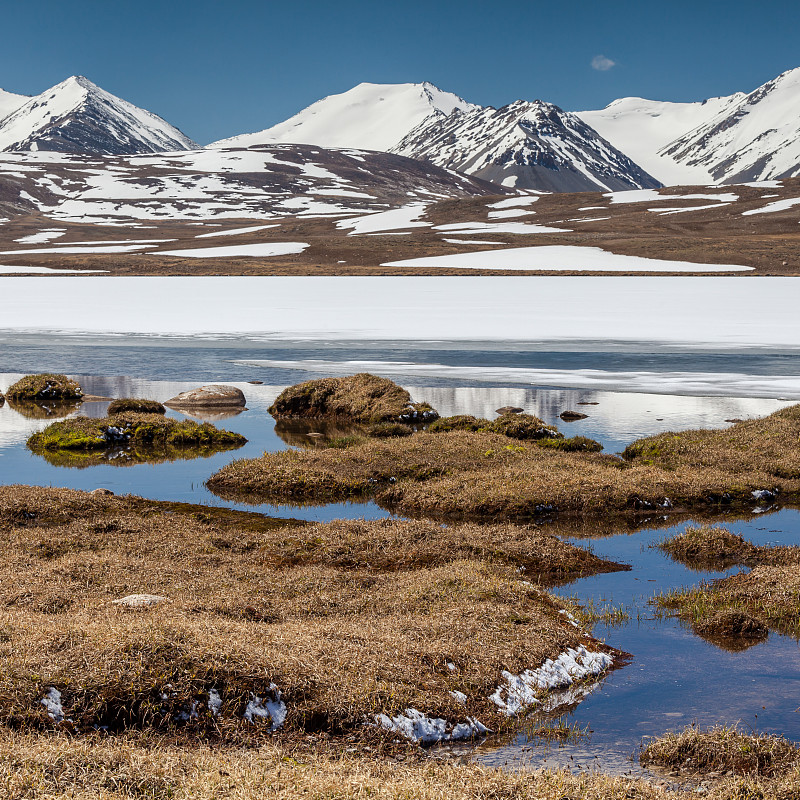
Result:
x=602 y=64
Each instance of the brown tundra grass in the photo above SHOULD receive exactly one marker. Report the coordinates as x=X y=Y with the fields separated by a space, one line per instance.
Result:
x=346 y=619
x=134 y=767
x=466 y=474
x=723 y=749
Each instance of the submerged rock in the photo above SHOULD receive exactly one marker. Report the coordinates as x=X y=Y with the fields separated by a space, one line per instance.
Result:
x=572 y=416
x=212 y=396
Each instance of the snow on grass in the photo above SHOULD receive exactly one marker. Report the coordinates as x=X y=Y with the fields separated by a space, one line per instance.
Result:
x=236 y=231
x=338 y=192
x=594 y=208
x=5 y=270
x=271 y=711
x=260 y=250
x=764 y=184
x=770 y=208
x=52 y=703
x=518 y=692
x=514 y=202
x=682 y=209
x=81 y=249
x=42 y=236
x=717 y=311
x=498 y=227
x=417 y=727
x=509 y=213
x=470 y=241
x=562 y=258
x=393 y=219
x=653 y=196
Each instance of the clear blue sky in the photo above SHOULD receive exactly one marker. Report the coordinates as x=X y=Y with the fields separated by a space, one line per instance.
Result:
x=216 y=68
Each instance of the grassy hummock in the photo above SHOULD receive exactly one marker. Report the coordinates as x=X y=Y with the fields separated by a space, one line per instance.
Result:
x=339 y=621
x=723 y=749
x=136 y=404
x=361 y=398
x=131 y=437
x=455 y=471
x=43 y=388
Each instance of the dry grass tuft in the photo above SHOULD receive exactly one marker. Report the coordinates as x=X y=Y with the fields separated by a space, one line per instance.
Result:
x=361 y=398
x=713 y=547
x=44 y=388
x=723 y=749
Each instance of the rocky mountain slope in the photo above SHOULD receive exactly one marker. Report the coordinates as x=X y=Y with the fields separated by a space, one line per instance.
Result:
x=372 y=116
x=76 y=116
x=525 y=146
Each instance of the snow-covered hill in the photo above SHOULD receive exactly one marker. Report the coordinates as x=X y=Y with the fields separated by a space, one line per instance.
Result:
x=755 y=138
x=76 y=116
x=642 y=128
x=371 y=116
x=10 y=102
x=526 y=146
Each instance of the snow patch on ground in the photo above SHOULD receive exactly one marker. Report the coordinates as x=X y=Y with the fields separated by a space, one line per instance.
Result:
x=44 y=271
x=42 y=236
x=520 y=691
x=509 y=213
x=80 y=250
x=236 y=231
x=393 y=219
x=778 y=205
x=498 y=227
x=261 y=250
x=562 y=258
x=52 y=703
x=417 y=727
x=269 y=711
x=514 y=202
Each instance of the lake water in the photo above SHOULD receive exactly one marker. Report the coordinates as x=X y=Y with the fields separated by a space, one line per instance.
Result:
x=674 y=678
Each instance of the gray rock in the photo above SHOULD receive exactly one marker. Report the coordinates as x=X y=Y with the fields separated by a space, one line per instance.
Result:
x=211 y=396
x=508 y=410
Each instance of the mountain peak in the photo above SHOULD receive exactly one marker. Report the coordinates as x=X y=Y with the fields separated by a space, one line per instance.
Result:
x=370 y=116
x=77 y=116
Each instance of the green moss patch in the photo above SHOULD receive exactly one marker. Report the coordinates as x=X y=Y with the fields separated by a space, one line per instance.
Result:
x=130 y=438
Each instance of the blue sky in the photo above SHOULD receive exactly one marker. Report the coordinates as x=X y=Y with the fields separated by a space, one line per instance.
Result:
x=216 y=68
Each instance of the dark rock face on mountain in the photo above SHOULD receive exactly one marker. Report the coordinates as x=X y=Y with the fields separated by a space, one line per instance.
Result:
x=525 y=146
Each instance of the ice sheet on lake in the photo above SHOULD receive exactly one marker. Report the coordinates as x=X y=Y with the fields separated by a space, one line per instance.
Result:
x=700 y=384
x=727 y=312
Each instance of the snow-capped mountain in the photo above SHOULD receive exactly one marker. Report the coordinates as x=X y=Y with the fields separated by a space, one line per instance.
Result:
x=78 y=117
x=642 y=128
x=755 y=138
x=525 y=145
x=11 y=102
x=370 y=116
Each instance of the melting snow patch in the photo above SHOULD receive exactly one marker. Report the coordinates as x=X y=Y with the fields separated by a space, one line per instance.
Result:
x=238 y=251
x=561 y=258
x=415 y=726
x=508 y=213
x=214 y=702
x=52 y=702
x=44 y=271
x=778 y=205
x=523 y=690
x=393 y=219
x=512 y=202
x=42 y=236
x=236 y=231
x=266 y=710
